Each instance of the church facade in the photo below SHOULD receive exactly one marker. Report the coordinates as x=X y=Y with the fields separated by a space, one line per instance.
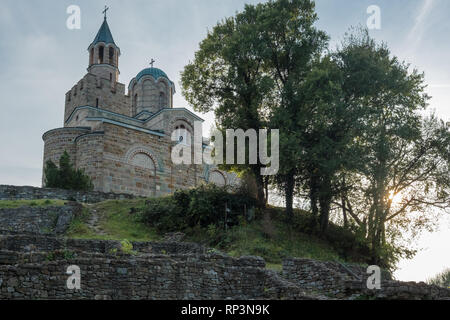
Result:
x=123 y=141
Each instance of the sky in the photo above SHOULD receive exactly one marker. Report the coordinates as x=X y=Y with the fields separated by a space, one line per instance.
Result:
x=41 y=59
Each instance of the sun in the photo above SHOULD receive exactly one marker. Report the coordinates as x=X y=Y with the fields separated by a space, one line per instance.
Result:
x=396 y=198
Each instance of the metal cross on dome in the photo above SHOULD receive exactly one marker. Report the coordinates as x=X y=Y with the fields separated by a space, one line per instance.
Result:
x=104 y=11
x=152 y=62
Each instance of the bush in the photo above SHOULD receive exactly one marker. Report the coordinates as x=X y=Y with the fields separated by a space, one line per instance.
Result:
x=127 y=247
x=66 y=177
x=199 y=207
x=442 y=279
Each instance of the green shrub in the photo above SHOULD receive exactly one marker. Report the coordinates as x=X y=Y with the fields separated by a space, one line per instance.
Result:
x=66 y=177
x=127 y=247
x=203 y=206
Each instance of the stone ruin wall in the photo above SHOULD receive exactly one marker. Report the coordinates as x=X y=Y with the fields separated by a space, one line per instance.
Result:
x=33 y=193
x=34 y=267
x=342 y=281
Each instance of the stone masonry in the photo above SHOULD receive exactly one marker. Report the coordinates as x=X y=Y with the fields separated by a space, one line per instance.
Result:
x=33 y=193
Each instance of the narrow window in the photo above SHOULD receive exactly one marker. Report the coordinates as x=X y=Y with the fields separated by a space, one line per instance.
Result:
x=101 y=52
x=110 y=77
x=91 y=58
x=96 y=103
x=135 y=100
x=161 y=100
x=111 y=55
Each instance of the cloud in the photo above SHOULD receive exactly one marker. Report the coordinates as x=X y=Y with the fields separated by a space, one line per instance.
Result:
x=418 y=30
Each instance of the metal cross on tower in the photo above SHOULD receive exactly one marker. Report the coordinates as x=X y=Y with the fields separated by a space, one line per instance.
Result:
x=152 y=62
x=104 y=11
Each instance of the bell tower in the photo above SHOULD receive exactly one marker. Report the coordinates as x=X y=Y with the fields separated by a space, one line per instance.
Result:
x=104 y=54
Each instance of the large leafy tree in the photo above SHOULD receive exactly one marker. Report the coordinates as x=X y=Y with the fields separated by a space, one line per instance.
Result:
x=326 y=128
x=227 y=76
x=247 y=71
x=290 y=43
x=402 y=170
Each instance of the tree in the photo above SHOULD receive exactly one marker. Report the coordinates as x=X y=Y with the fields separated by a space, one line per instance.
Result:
x=327 y=129
x=289 y=45
x=227 y=76
x=403 y=166
x=66 y=177
x=247 y=67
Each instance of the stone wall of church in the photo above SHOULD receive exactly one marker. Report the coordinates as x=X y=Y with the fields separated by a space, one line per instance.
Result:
x=111 y=96
x=151 y=173
x=90 y=157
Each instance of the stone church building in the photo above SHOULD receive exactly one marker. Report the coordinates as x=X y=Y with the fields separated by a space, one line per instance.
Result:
x=123 y=140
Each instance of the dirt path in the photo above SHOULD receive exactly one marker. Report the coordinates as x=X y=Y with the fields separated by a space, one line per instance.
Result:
x=94 y=221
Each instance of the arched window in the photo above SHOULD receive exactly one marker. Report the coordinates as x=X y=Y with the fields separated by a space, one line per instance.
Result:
x=111 y=55
x=144 y=161
x=101 y=53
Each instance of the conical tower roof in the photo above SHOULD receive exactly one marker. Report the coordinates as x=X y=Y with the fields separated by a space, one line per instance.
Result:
x=104 y=34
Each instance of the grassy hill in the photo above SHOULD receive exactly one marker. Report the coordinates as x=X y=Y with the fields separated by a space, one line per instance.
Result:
x=268 y=236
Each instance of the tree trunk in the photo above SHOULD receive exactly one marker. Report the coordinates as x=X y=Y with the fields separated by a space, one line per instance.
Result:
x=344 y=212
x=289 y=194
x=313 y=196
x=266 y=190
x=260 y=188
x=325 y=197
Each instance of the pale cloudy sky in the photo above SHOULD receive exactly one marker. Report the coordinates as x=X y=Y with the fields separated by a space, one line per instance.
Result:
x=40 y=59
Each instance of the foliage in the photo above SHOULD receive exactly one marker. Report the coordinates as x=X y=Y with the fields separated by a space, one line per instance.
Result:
x=401 y=159
x=78 y=224
x=442 y=279
x=203 y=206
x=127 y=247
x=66 y=177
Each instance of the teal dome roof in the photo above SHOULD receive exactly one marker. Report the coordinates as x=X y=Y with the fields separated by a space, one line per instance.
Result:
x=154 y=72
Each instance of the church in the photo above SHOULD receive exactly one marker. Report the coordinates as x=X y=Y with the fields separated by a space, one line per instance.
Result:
x=123 y=140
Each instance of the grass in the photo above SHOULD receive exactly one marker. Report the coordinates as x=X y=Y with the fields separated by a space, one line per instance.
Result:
x=116 y=222
x=13 y=204
x=269 y=238
x=251 y=239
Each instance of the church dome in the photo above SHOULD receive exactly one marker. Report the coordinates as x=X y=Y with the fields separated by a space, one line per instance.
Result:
x=154 y=72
